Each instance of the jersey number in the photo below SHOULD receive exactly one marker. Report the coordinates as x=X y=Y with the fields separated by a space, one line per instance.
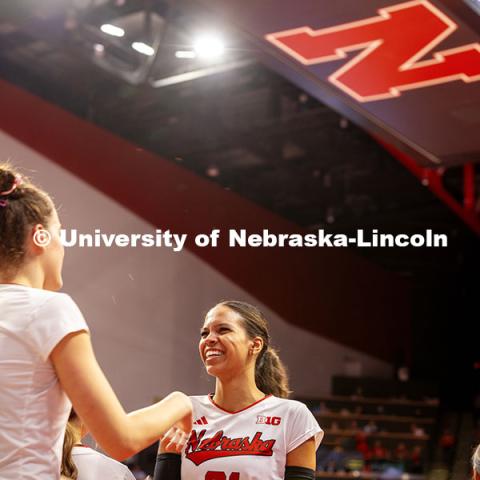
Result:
x=222 y=476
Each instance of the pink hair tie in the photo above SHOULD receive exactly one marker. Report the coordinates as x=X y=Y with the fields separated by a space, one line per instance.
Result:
x=3 y=203
x=17 y=181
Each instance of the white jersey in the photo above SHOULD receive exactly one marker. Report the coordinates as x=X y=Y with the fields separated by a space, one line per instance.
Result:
x=93 y=465
x=251 y=444
x=33 y=407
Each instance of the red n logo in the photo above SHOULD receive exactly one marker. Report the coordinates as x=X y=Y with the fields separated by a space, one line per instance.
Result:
x=392 y=46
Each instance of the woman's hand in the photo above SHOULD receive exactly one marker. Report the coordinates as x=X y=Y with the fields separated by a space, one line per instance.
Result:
x=173 y=441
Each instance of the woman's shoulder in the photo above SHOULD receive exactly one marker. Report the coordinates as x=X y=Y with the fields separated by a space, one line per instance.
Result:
x=38 y=297
x=54 y=303
x=60 y=297
x=200 y=399
x=290 y=404
x=26 y=302
x=287 y=401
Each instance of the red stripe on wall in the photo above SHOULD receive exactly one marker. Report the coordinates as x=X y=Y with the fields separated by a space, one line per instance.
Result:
x=328 y=291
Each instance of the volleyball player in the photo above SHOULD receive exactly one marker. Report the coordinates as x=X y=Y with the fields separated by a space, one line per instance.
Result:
x=46 y=353
x=247 y=429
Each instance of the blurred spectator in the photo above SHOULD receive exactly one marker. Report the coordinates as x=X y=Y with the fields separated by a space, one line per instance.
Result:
x=401 y=453
x=370 y=427
x=378 y=456
x=447 y=444
x=353 y=425
x=403 y=373
x=416 y=460
x=321 y=455
x=358 y=410
x=378 y=451
x=323 y=408
x=334 y=461
x=334 y=427
x=362 y=445
x=348 y=444
x=354 y=462
x=416 y=430
x=392 y=472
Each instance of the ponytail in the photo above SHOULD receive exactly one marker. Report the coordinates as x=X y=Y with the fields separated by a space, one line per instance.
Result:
x=270 y=374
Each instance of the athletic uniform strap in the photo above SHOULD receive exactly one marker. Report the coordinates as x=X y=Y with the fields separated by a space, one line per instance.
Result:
x=167 y=466
x=299 y=473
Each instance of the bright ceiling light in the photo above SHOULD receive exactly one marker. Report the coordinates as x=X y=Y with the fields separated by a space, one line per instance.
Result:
x=98 y=48
x=185 y=54
x=475 y=4
x=112 y=30
x=209 y=46
x=143 y=48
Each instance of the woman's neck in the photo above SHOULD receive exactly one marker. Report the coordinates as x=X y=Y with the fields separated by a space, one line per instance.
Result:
x=28 y=276
x=236 y=393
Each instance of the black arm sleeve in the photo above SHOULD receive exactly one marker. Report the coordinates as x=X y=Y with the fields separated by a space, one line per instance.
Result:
x=167 y=466
x=298 y=473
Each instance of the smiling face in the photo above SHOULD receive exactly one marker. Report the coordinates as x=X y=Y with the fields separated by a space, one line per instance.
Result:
x=225 y=348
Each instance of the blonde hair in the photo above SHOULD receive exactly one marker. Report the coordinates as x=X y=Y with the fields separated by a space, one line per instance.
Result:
x=69 y=469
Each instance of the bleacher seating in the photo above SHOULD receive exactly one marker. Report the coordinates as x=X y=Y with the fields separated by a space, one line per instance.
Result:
x=371 y=437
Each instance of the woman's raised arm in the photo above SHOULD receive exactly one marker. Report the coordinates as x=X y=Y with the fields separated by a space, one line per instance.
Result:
x=120 y=434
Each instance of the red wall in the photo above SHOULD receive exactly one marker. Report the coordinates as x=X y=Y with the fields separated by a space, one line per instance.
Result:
x=328 y=291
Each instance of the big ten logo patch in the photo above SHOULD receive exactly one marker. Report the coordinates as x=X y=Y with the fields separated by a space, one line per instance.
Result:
x=261 y=419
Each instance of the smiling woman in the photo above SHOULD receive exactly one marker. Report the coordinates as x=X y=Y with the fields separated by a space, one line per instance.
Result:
x=247 y=429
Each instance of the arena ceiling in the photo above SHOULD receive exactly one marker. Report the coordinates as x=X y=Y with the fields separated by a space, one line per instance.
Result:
x=236 y=121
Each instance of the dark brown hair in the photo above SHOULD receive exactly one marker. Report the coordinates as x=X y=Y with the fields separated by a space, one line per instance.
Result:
x=270 y=373
x=69 y=469
x=21 y=209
